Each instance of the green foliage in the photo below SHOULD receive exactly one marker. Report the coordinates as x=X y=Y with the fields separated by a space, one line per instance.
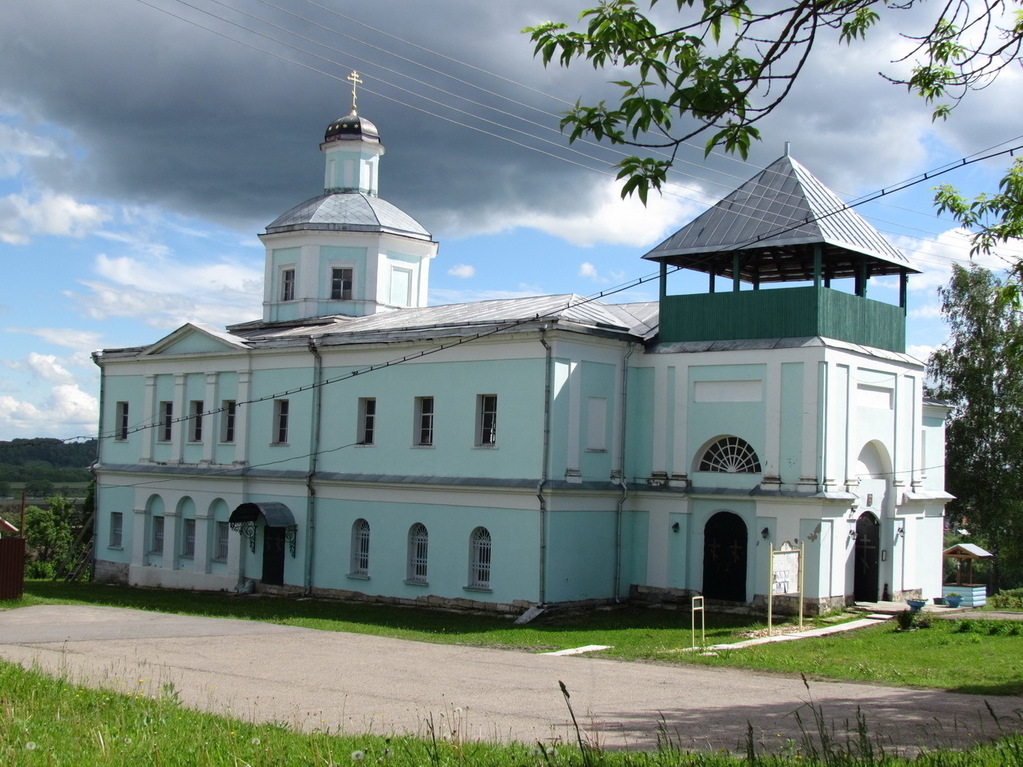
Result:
x=975 y=374
x=25 y=460
x=1010 y=599
x=48 y=536
x=724 y=65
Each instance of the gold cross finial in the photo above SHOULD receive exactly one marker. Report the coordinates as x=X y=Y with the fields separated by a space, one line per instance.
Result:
x=355 y=80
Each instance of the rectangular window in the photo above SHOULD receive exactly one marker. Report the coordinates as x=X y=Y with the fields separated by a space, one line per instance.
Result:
x=596 y=424
x=341 y=284
x=424 y=421
x=367 y=420
x=166 y=421
x=116 y=529
x=156 y=544
x=280 y=421
x=287 y=284
x=486 y=420
x=195 y=408
x=220 y=542
x=188 y=538
x=121 y=421
x=227 y=416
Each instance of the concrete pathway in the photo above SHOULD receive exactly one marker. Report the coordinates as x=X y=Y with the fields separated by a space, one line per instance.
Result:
x=356 y=683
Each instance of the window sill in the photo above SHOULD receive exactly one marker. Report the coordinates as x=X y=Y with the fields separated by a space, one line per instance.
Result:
x=410 y=582
x=484 y=447
x=423 y=447
x=357 y=576
x=364 y=444
x=478 y=589
x=280 y=444
x=116 y=548
x=596 y=450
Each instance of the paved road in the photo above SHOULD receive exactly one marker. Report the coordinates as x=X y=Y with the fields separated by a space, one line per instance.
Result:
x=318 y=679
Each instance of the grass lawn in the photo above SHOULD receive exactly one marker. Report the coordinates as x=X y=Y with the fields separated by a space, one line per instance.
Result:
x=975 y=656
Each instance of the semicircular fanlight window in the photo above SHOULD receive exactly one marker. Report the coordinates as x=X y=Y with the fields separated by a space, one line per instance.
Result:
x=731 y=455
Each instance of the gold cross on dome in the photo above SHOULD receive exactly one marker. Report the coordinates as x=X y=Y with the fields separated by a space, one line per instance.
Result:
x=355 y=81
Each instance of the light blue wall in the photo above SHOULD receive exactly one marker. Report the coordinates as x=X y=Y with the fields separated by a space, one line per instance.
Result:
x=598 y=380
x=514 y=554
x=790 y=458
x=113 y=497
x=639 y=447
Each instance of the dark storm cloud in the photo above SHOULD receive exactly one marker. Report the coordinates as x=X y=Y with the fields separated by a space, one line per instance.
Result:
x=176 y=115
x=173 y=114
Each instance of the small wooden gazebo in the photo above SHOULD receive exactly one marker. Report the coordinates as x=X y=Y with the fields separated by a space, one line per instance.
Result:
x=966 y=553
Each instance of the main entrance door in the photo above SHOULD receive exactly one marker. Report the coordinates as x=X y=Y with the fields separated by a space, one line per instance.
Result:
x=273 y=555
x=724 y=557
x=867 y=558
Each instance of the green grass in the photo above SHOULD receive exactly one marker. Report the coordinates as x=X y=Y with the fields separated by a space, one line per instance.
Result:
x=49 y=721
x=974 y=656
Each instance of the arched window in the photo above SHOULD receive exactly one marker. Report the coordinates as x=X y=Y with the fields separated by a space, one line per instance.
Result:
x=479 y=559
x=360 y=548
x=418 y=542
x=730 y=455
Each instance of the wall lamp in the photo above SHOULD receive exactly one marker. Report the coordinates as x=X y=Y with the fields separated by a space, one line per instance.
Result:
x=852 y=535
x=675 y=528
x=764 y=533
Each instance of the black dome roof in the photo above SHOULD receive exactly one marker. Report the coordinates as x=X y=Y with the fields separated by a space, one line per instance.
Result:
x=351 y=127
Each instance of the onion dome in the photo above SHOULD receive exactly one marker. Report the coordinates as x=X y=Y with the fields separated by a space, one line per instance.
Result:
x=351 y=127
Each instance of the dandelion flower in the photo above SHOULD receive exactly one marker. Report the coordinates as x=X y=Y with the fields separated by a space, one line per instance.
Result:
x=358 y=756
x=255 y=741
x=30 y=746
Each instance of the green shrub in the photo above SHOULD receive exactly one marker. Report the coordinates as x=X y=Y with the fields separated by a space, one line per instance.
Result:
x=1011 y=599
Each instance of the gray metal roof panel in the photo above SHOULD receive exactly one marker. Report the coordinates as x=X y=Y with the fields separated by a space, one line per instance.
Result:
x=348 y=211
x=459 y=319
x=782 y=208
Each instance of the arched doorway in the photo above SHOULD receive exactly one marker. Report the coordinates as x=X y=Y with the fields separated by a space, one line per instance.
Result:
x=867 y=558
x=725 y=542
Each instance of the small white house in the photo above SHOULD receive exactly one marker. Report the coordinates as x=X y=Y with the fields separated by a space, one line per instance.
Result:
x=357 y=442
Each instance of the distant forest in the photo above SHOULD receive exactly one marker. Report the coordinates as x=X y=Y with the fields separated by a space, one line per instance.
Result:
x=45 y=458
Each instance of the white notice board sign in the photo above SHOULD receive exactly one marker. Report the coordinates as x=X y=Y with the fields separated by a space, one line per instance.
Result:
x=785 y=570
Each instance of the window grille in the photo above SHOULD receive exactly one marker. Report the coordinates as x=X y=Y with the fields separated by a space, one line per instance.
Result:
x=360 y=547
x=221 y=542
x=418 y=543
x=730 y=455
x=157 y=543
x=341 y=284
x=479 y=558
x=188 y=539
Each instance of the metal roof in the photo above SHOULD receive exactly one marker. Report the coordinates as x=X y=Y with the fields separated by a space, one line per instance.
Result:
x=349 y=212
x=576 y=312
x=773 y=222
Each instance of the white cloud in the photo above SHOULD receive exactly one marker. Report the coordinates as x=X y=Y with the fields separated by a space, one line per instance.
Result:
x=66 y=412
x=586 y=269
x=21 y=218
x=70 y=338
x=922 y=351
x=16 y=145
x=45 y=367
x=462 y=270
x=165 y=293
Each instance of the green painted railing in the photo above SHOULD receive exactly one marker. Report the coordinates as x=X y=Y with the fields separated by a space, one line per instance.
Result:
x=783 y=313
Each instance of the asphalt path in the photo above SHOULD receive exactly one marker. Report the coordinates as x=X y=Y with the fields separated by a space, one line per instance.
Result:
x=354 y=683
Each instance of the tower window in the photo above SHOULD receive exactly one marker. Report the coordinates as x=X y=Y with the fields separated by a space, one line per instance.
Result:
x=287 y=284
x=341 y=284
x=424 y=422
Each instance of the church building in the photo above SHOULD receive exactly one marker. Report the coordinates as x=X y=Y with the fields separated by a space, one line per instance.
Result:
x=357 y=442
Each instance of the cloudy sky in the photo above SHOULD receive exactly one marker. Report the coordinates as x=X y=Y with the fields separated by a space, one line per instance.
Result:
x=145 y=143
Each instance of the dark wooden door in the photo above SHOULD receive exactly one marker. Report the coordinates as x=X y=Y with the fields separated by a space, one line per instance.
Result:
x=867 y=555
x=724 y=557
x=273 y=556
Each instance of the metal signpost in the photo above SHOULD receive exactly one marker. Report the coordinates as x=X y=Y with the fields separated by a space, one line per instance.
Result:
x=697 y=607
